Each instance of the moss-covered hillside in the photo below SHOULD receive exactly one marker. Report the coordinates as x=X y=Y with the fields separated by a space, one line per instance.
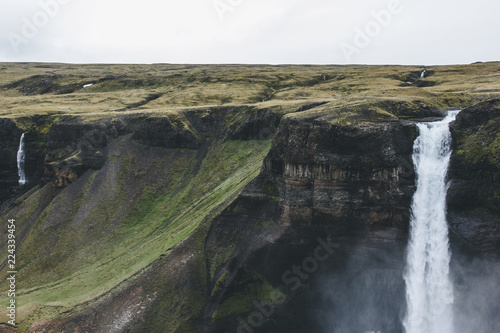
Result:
x=30 y=88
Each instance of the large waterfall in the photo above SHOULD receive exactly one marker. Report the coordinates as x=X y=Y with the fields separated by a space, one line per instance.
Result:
x=429 y=291
x=21 y=156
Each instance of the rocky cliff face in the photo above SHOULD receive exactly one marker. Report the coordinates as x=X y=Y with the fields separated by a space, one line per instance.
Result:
x=474 y=194
x=473 y=216
x=352 y=175
x=345 y=189
x=9 y=136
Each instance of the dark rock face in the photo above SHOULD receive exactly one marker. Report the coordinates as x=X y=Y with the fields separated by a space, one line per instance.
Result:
x=34 y=143
x=473 y=201
x=352 y=175
x=65 y=152
x=347 y=187
x=10 y=135
x=161 y=132
x=74 y=148
x=259 y=125
x=477 y=115
x=66 y=134
x=474 y=217
x=89 y=146
x=69 y=132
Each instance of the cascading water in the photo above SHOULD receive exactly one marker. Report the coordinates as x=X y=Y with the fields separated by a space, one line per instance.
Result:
x=21 y=156
x=422 y=75
x=429 y=291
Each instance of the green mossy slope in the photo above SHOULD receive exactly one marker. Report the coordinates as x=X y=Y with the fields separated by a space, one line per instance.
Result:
x=111 y=224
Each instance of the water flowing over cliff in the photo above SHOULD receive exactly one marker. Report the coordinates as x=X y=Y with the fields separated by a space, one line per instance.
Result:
x=429 y=290
x=21 y=158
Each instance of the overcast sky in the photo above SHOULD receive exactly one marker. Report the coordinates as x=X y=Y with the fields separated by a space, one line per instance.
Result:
x=420 y=32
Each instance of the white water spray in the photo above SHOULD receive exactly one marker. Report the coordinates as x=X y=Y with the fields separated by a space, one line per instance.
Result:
x=429 y=291
x=422 y=75
x=21 y=156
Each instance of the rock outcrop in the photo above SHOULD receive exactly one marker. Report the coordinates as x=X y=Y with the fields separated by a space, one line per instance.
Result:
x=346 y=186
x=73 y=149
x=349 y=174
x=474 y=194
x=162 y=132
x=9 y=141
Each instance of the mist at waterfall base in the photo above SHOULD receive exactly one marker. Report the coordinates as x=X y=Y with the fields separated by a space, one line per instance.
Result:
x=477 y=294
x=366 y=292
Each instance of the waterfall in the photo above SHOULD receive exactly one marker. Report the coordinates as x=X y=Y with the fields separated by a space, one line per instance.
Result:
x=429 y=291
x=21 y=156
x=422 y=75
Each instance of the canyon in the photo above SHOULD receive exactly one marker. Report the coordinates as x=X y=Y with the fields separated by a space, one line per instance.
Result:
x=183 y=202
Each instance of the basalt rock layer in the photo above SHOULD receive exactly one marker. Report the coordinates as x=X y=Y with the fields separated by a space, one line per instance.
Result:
x=474 y=194
x=346 y=189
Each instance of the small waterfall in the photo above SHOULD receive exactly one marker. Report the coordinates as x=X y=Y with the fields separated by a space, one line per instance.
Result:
x=429 y=291
x=21 y=156
x=422 y=75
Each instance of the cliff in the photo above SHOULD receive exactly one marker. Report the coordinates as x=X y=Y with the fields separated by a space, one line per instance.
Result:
x=473 y=198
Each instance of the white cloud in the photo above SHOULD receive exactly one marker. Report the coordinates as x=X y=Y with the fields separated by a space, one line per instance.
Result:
x=257 y=31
